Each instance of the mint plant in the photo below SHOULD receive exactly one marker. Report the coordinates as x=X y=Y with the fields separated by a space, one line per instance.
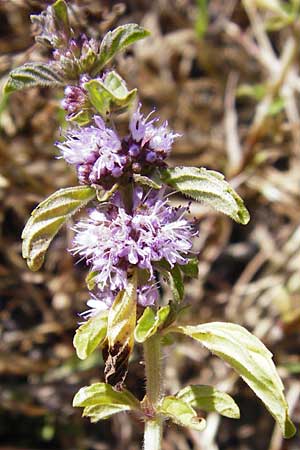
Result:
x=132 y=237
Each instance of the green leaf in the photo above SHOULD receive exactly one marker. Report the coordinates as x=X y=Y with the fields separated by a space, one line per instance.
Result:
x=110 y=91
x=251 y=360
x=173 y=276
x=146 y=181
x=90 y=335
x=202 y=18
x=181 y=413
x=209 y=187
x=47 y=218
x=120 y=333
x=32 y=74
x=191 y=269
x=60 y=11
x=209 y=399
x=149 y=322
x=117 y=40
x=101 y=401
x=176 y=282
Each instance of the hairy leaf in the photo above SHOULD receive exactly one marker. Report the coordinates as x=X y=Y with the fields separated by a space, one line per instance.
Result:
x=181 y=413
x=251 y=360
x=112 y=90
x=101 y=401
x=149 y=322
x=90 y=335
x=32 y=74
x=47 y=218
x=120 y=334
x=209 y=187
x=117 y=40
x=209 y=399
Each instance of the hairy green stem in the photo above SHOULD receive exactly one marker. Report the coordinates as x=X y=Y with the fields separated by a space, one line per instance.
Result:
x=153 y=426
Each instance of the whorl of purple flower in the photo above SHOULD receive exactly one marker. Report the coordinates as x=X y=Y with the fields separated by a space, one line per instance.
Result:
x=112 y=242
x=154 y=143
x=101 y=156
x=95 y=151
x=74 y=100
x=77 y=57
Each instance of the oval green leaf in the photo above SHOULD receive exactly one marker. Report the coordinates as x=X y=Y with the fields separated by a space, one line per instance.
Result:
x=249 y=357
x=209 y=399
x=117 y=40
x=32 y=74
x=181 y=413
x=208 y=187
x=101 y=401
x=47 y=218
x=90 y=335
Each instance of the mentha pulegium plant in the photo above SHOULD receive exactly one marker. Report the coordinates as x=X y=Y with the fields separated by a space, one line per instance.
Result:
x=132 y=237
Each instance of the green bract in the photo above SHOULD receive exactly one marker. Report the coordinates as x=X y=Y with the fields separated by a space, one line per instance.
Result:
x=90 y=335
x=111 y=91
x=48 y=217
x=145 y=181
x=208 y=187
x=101 y=401
x=252 y=361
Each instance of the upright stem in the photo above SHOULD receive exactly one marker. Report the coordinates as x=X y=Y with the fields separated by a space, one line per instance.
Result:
x=153 y=426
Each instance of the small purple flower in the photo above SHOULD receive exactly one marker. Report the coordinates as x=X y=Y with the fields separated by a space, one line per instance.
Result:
x=94 y=150
x=75 y=98
x=112 y=242
x=101 y=156
x=156 y=142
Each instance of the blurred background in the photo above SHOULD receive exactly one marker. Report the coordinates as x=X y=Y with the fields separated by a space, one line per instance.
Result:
x=226 y=76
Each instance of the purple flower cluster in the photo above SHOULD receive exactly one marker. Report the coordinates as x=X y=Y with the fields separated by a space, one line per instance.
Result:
x=101 y=156
x=75 y=98
x=77 y=57
x=113 y=241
